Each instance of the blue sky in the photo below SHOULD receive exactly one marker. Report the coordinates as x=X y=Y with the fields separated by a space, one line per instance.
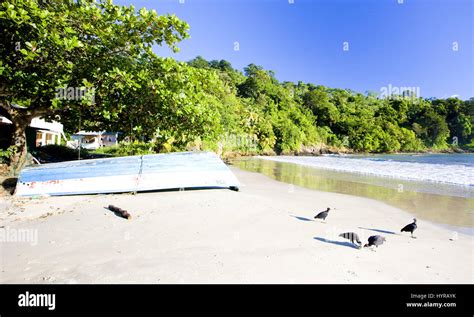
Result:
x=412 y=44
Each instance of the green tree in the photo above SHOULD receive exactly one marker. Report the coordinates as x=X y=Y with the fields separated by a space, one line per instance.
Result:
x=54 y=44
x=318 y=101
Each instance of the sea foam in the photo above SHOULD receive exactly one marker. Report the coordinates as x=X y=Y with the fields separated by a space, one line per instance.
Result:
x=439 y=173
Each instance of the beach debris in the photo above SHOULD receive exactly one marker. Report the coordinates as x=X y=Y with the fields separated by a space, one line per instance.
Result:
x=375 y=240
x=323 y=214
x=46 y=215
x=410 y=228
x=49 y=278
x=353 y=237
x=120 y=212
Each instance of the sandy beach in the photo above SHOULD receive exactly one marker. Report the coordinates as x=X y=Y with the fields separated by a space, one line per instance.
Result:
x=265 y=233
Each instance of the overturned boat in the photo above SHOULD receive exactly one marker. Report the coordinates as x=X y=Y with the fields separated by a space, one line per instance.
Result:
x=182 y=170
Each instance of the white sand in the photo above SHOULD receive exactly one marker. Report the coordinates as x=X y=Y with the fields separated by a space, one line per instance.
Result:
x=221 y=236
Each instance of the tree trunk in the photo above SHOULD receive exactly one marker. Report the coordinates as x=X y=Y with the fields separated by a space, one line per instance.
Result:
x=18 y=159
x=21 y=119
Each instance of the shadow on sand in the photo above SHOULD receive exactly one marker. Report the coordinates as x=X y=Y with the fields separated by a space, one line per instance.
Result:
x=343 y=244
x=378 y=230
x=301 y=218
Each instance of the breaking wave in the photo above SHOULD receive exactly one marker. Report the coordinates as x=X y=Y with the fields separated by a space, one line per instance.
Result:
x=455 y=174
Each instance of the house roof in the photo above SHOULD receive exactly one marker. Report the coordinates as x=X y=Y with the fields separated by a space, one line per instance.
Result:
x=4 y=120
x=94 y=133
x=39 y=124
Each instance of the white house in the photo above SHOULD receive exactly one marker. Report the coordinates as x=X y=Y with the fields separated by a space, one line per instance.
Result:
x=40 y=132
x=93 y=140
x=47 y=132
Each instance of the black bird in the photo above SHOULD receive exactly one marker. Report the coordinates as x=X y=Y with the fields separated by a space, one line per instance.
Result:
x=322 y=214
x=375 y=240
x=353 y=237
x=410 y=228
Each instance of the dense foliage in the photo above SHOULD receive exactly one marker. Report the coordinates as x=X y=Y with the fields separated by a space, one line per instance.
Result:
x=286 y=117
x=53 y=49
x=169 y=105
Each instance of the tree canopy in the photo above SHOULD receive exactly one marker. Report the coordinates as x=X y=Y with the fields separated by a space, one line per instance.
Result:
x=51 y=50
x=52 y=45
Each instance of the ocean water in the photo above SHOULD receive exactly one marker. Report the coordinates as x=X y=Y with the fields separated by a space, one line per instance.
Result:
x=443 y=159
x=452 y=169
x=437 y=188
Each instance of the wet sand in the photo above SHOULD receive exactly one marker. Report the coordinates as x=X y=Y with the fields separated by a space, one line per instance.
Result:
x=452 y=206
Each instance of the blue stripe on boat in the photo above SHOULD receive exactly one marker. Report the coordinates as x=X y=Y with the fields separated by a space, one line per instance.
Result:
x=131 y=167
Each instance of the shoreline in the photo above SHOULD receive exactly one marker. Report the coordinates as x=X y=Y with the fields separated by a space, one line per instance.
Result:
x=443 y=204
x=263 y=234
x=372 y=170
x=325 y=150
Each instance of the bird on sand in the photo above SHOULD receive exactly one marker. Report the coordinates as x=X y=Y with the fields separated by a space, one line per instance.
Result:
x=323 y=214
x=353 y=237
x=410 y=228
x=375 y=240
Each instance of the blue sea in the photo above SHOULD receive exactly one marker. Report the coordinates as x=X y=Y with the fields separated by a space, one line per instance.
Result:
x=444 y=159
x=448 y=169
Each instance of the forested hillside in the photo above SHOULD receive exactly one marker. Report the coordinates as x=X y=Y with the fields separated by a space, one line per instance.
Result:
x=203 y=103
x=286 y=116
